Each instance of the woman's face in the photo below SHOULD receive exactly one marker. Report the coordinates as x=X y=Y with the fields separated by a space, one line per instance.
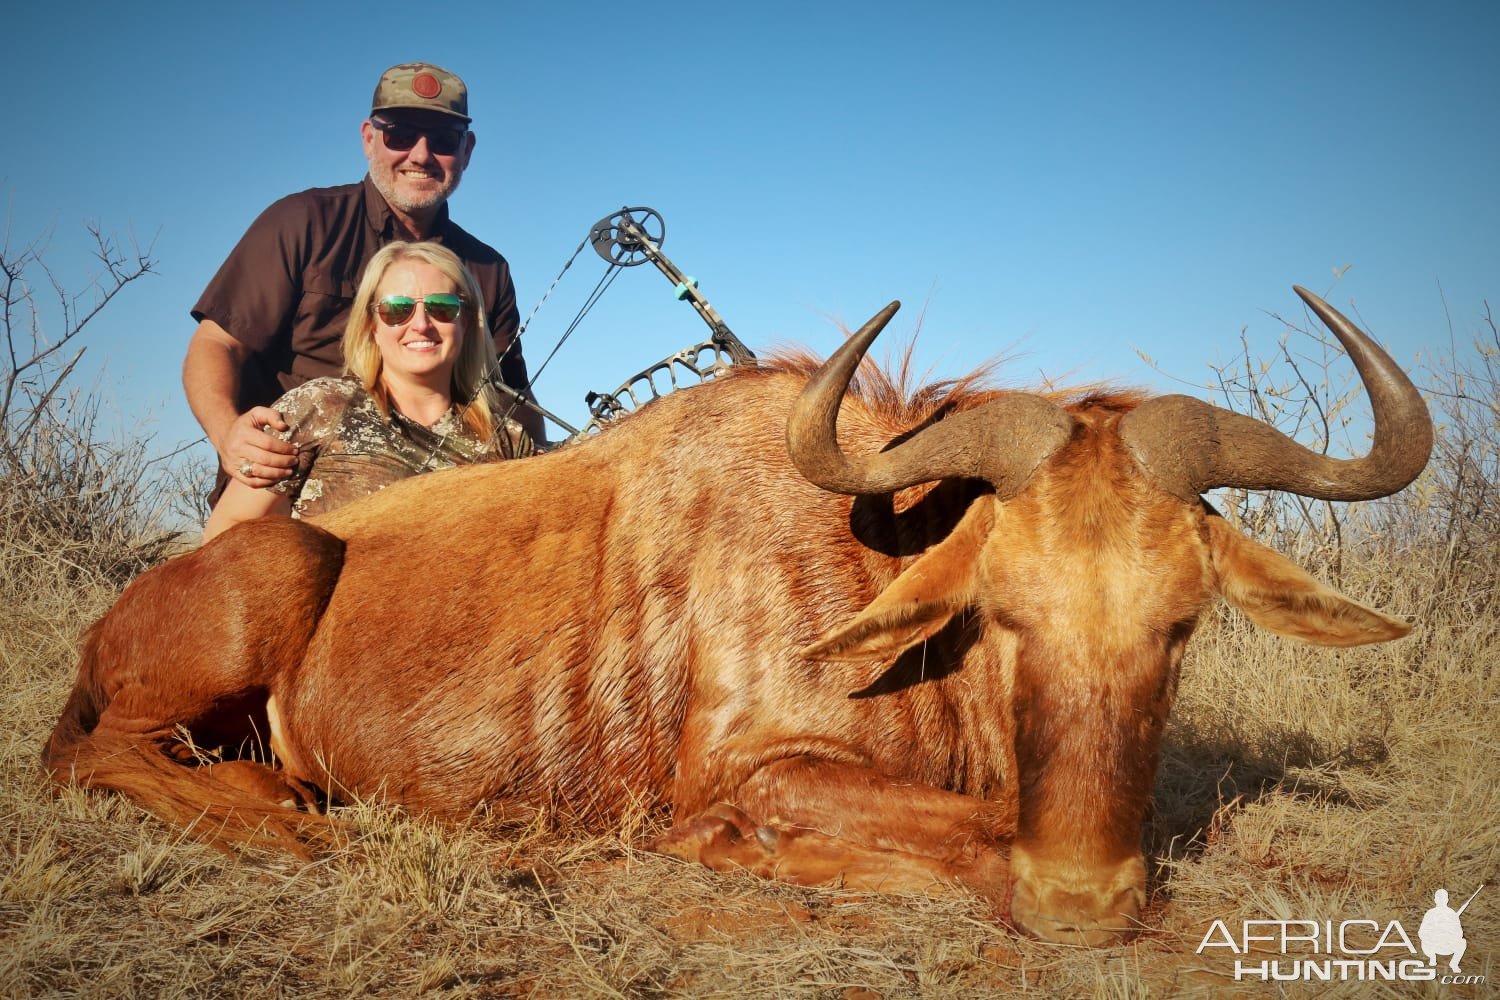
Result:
x=422 y=348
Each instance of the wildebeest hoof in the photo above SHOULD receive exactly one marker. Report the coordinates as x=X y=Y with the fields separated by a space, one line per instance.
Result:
x=719 y=824
x=723 y=838
x=273 y=786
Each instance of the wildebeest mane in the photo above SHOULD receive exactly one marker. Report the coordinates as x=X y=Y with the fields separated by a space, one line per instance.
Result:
x=894 y=393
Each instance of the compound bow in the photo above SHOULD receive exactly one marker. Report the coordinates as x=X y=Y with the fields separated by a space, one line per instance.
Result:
x=627 y=238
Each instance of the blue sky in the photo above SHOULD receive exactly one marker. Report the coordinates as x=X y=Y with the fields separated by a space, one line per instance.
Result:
x=1070 y=181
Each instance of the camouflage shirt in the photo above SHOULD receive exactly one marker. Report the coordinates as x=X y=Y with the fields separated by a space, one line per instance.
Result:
x=346 y=448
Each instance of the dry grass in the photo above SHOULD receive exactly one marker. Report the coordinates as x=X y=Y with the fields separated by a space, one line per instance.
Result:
x=1295 y=783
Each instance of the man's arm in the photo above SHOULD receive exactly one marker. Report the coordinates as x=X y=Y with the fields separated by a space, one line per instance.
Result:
x=211 y=376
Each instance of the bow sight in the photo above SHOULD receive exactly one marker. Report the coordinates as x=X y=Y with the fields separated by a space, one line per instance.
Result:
x=633 y=236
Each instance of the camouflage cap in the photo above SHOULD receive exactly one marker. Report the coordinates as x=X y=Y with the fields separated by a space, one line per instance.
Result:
x=423 y=86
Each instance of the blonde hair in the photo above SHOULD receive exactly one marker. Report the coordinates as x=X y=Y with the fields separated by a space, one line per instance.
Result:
x=470 y=389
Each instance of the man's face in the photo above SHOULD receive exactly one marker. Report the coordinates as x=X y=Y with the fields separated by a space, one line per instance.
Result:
x=416 y=180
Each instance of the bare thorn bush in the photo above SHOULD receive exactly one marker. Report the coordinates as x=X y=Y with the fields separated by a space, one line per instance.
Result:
x=69 y=493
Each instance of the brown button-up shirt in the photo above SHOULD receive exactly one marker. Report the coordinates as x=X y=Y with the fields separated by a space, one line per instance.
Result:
x=287 y=287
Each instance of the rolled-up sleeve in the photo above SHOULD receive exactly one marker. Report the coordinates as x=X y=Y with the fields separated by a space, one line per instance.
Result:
x=254 y=295
x=312 y=412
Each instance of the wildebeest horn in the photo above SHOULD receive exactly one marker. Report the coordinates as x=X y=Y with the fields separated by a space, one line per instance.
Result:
x=1191 y=446
x=1001 y=442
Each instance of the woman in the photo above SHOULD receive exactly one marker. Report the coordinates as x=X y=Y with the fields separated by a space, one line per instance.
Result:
x=415 y=395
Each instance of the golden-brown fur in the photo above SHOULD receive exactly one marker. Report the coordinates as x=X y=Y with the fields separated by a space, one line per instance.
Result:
x=628 y=622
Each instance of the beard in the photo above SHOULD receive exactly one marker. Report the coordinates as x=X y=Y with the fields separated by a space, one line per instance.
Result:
x=403 y=197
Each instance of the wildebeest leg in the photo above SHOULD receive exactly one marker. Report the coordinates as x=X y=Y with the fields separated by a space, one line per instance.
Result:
x=268 y=784
x=198 y=645
x=812 y=821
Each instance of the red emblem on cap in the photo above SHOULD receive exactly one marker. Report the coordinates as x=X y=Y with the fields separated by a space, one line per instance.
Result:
x=426 y=86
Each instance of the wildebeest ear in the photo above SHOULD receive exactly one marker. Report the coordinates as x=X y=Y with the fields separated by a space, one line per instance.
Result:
x=1279 y=595
x=919 y=602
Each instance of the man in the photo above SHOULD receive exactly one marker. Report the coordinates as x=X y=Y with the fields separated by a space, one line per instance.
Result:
x=273 y=317
x=1441 y=932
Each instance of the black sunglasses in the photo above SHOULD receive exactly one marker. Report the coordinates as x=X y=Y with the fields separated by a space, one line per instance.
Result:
x=400 y=138
x=394 y=310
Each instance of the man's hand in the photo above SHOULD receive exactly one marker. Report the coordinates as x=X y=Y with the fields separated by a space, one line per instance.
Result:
x=211 y=378
x=253 y=457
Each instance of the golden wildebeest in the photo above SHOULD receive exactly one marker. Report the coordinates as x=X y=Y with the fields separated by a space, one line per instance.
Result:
x=936 y=650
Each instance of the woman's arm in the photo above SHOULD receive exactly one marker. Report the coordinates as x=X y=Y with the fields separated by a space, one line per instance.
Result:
x=244 y=503
x=309 y=414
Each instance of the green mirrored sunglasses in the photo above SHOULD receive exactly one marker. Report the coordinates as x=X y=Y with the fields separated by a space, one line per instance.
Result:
x=394 y=310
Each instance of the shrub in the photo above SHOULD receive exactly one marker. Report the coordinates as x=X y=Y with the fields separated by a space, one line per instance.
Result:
x=77 y=506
